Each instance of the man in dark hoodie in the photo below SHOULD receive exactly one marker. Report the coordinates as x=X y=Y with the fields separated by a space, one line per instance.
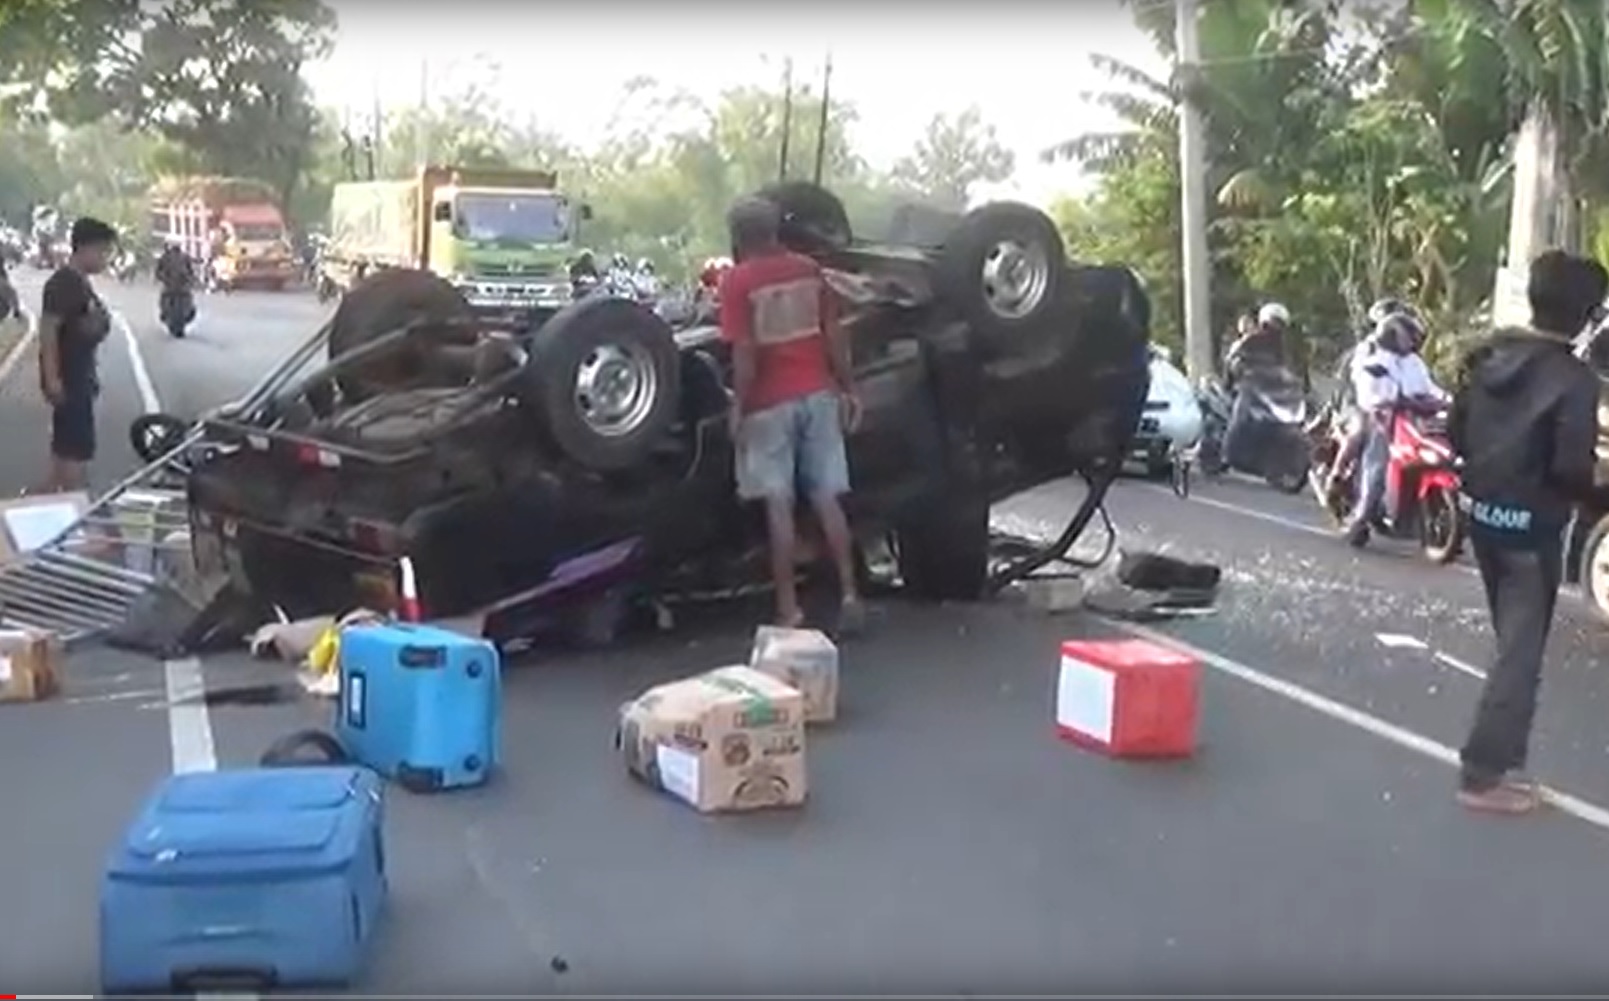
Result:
x=1524 y=418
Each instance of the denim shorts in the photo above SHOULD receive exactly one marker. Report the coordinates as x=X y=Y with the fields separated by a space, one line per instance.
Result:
x=794 y=447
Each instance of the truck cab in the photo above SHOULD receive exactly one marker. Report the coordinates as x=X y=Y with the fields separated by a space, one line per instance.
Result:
x=504 y=238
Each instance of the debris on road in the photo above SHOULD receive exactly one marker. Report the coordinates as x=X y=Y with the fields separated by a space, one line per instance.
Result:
x=1128 y=698
x=729 y=740
x=805 y=659
x=1149 y=586
x=36 y=520
x=30 y=665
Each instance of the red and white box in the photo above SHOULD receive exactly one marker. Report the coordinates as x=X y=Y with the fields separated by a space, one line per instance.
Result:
x=1128 y=698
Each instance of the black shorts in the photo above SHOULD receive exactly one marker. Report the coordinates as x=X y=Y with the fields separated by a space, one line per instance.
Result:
x=72 y=428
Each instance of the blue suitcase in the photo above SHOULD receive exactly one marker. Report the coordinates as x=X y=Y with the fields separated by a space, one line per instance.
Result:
x=246 y=880
x=420 y=704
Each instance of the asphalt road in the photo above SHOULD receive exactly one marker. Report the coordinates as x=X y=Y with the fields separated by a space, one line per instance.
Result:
x=951 y=844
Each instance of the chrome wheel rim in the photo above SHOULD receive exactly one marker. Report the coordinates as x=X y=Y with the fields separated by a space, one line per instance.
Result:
x=1016 y=277
x=615 y=389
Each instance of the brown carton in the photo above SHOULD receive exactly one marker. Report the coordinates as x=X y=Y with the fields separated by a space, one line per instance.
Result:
x=30 y=665
x=804 y=659
x=731 y=739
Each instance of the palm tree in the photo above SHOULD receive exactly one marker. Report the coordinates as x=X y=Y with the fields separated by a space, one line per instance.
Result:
x=1265 y=89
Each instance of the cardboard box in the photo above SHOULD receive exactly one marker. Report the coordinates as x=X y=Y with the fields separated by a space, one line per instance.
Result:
x=1128 y=698
x=732 y=739
x=30 y=665
x=804 y=659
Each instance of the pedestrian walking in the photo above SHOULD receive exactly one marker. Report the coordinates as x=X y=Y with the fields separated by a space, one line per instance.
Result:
x=1524 y=419
x=794 y=399
x=73 y=322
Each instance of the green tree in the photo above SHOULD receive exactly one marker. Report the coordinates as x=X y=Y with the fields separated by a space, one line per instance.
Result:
x=955 y=153
x=219 y=78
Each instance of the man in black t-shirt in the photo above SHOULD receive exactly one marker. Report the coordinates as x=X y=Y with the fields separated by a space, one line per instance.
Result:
x=72 y=324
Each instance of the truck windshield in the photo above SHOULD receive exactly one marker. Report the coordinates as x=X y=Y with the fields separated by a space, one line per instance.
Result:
x=513 y=218
x=257 y=232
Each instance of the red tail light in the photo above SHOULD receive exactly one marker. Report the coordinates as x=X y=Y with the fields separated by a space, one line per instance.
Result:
x=312 y=455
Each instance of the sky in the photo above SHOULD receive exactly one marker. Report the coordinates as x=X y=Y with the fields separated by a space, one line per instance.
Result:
x=1025 y=65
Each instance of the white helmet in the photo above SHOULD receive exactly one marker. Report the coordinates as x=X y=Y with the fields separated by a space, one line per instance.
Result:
x=1273 y=312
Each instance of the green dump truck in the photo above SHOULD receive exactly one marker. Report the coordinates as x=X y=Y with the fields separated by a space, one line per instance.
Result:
x=503 y=237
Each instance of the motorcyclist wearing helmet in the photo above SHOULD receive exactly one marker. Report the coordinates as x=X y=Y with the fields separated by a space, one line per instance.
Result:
x=646 y=281
x=1346 y=400
x=619 y=277
x=584 y=270
x=1262 y=352
x=1386 y=373
x=175 y=272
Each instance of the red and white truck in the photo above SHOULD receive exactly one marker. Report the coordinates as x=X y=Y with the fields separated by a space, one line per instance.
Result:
x=231 y=225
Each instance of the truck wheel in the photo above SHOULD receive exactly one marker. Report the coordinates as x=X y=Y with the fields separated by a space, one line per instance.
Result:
x=1001 y=269
x=603 y=379
x=813 y=219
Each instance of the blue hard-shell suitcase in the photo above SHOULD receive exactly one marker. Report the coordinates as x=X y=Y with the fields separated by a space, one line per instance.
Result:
x=420 y=704
x=246 y=880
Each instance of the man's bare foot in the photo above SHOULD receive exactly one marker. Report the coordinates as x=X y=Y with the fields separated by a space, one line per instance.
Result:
x=1502 y=798
x=790 y=620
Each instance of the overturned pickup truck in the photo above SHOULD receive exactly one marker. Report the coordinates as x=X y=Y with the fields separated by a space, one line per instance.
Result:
x=535 y=480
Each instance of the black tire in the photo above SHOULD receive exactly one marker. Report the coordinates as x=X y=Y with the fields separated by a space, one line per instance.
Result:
x=1441 y=527
x=585 y=334
x=814 y=221
x=388 y=301
x=391 y=299
x=1595 y=552
x=943 y=549
x=1158 y=465
x=970 y=272
x=154 y=435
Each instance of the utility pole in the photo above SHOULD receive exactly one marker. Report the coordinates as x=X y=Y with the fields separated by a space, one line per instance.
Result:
x=787 y=117
x=421 y=120
x=821 y=126
x=1199 y=359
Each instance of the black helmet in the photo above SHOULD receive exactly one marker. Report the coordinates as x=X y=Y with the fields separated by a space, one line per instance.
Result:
x=1383 y=308
x=1401 y=332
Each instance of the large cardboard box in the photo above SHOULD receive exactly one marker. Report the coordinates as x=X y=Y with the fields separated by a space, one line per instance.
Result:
x=731 y=739
x=30 y=665
x=805 y=659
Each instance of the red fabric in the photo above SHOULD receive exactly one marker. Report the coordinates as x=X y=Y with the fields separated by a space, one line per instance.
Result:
x=780 y=304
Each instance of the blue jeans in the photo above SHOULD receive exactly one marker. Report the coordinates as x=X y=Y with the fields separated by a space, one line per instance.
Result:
x=799 y=443
x=1372 y=466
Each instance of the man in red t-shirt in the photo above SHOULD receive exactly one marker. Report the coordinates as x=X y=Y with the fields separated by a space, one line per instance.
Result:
x=795 y=398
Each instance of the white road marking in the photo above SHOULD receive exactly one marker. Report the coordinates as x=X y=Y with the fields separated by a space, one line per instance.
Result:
x=1398 y=641
x=19 y=351
x=189 y=726
x=1570 y=591
x=1341 y=712
x=1459 y=665
x=136 y=360
x=189 y=729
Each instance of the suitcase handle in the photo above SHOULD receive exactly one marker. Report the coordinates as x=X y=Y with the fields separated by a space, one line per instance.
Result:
x=221 y=979
x=282 y=753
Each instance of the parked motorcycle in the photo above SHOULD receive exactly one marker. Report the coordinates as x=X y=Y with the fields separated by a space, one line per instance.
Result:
x=1422 y=484
x=177 y=309
x=1273 y=445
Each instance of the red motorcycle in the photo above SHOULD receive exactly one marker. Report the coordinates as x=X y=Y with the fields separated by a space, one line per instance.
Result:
x=1422 y=483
